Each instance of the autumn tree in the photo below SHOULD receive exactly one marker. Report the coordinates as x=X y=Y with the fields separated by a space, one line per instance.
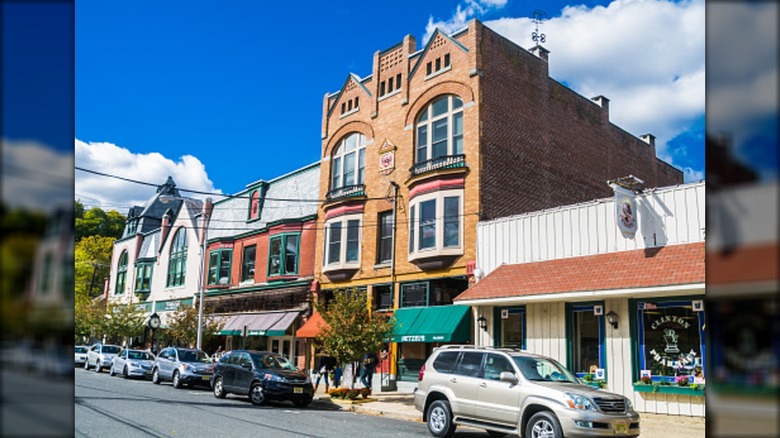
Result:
x=92 y=258
x=183 y=326
x=351 y=330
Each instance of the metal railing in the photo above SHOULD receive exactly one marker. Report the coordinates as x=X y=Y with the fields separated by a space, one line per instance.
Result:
x=346 y=192
x=446 y=162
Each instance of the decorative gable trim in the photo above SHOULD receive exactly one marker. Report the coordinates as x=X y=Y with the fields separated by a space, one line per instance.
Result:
x=427 y=47
x=358 y=82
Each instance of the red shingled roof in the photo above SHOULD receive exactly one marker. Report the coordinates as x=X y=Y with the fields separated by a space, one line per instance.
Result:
x=743 y=264
x=662 y=266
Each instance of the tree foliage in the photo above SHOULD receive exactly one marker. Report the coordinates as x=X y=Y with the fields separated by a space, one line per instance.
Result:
x=351 y=329
x=97 y=222
x=183 y=326
x=92 y=258
x=118 y=322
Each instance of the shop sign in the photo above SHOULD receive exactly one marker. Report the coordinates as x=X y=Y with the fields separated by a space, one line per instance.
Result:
x=172 y=305
x=387 y=158
x=625 y=208
x=413 y=338
x=670 y=355
x=256 y=333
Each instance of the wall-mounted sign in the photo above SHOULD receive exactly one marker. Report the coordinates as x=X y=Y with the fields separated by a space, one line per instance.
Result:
x=598 y=309
x=698 y=305
x=645 y=373
x=172 y=305
x=625 y=208
x=386 y=158
x=504 y=313
x=600 y=374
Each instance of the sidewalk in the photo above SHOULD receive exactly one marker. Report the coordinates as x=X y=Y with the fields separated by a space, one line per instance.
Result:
x=400 y=406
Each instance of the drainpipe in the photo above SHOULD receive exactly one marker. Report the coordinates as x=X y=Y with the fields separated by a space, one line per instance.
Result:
x=393 y=346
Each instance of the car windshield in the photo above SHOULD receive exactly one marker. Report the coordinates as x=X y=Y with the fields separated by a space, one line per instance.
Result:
x=193 y=356
x=81 y=349
x=273 y=362
x=540 y=369
x=139 y=355
x=111 y=349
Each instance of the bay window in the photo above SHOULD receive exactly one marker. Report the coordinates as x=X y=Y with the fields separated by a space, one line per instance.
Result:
x=143 y=277
x=435 y=224
x=342 y=243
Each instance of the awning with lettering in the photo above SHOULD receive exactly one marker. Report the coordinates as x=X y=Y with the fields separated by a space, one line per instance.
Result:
x=259 y=324
x=433 y=324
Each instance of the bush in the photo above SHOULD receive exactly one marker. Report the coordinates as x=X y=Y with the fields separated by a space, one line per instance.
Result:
x=646 y=380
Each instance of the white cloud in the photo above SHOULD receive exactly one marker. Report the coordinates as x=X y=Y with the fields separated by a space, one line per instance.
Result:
x=110 y=193
x=691 y=175
x=36 y=176
x=463 y=13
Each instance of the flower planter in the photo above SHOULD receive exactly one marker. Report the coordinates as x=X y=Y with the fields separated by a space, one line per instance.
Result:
x=346 y=401
x=670 y=389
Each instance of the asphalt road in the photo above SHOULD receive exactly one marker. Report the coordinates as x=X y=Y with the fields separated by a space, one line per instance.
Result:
x=32 y=406
x=114 y=407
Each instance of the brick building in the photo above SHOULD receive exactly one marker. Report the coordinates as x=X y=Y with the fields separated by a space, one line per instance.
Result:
x=470 y=127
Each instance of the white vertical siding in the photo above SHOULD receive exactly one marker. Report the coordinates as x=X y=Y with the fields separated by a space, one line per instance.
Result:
x=665 y=216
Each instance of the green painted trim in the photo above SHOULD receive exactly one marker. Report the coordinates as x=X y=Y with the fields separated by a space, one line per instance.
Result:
x=219 y=252
x=726 y=388
x=283 y=254
x=497 y=337
x=279 y=285
x=159 y=306
x=670 y=389
x=570 y=335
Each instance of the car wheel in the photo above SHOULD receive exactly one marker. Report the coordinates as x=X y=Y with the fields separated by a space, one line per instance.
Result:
x=176 y=380
x=256 y=394
x=543 y=425
x=156 y=377
x=219 y=390
x=440 y=419
x=302 y=402
x=124 y=372
x=111 y=370
x=98 y=368
x=86 y=364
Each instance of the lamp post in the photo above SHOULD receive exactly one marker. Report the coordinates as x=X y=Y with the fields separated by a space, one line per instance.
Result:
x=201 y=282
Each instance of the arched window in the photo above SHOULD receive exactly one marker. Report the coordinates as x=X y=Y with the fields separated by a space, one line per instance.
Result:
x=440 y=129
x=121 y=274
x=177 y=262
x=349 y=161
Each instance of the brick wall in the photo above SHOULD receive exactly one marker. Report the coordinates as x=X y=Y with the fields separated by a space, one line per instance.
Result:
x=542 y=144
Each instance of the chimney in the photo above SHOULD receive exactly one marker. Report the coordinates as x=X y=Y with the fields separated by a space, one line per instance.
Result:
x=603 y=102
x=208 y=206
x=648 y=138
x=165 y=228
x=543 y=54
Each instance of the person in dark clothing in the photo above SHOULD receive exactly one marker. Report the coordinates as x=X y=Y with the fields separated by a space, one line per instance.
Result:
x=370 y=362
x=325 y=366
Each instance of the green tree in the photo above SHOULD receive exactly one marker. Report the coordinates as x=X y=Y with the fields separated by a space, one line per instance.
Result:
x=351 y=329
x=97 y=222
x=92 y=258
x=183 y=326
x=122 y=322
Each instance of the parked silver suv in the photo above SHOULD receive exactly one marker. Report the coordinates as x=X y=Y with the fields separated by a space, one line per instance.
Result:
x=515 y=392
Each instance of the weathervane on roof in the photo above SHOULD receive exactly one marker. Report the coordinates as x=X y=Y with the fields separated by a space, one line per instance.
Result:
x=538 y=17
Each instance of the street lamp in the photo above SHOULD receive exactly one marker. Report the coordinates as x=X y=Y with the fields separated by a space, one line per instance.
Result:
x=201 y=283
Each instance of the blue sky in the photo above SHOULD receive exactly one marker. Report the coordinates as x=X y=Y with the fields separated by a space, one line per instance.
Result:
x=221 y=95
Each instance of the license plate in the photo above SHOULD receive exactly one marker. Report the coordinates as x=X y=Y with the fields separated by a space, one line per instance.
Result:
x=206 y=377
x=298 y=390
x=621 y=428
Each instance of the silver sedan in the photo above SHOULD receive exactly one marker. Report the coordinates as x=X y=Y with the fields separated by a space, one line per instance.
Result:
x=132 y=363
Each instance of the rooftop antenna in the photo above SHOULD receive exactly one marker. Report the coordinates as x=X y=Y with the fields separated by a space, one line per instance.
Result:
x=538 y=17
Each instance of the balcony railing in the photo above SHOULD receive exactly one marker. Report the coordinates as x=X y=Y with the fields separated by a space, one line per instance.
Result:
x=446 y=162
x=346 y=192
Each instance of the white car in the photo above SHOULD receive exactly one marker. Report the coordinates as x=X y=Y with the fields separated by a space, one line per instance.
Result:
x=132 y=363
x=80 y=354
x=100 y=355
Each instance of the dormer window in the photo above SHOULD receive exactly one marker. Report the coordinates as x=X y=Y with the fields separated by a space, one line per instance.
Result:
x=254 y=205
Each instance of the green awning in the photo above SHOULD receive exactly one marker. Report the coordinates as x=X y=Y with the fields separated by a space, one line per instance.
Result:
x=433 y=324
x=260 y=324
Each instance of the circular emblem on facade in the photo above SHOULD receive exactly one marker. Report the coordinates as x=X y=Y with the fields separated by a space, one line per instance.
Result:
x=626 y=214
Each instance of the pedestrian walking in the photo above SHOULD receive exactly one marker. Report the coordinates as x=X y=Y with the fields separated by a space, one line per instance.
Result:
x=337 y=373
x=325 y=366
x=369 y=363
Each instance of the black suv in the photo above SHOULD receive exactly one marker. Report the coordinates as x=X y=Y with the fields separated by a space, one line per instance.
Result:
x=263 y=376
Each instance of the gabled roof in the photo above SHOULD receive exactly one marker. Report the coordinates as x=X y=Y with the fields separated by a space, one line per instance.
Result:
x=672 y=265
x=149 y=245
x=428 y=45
x=350 y=77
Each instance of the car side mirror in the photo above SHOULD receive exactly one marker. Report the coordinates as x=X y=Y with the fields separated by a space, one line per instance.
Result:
x=509 y=377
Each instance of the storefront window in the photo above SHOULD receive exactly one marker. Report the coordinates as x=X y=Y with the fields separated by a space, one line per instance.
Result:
x=511 y=327
x=671 y=338
x=586 y=337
